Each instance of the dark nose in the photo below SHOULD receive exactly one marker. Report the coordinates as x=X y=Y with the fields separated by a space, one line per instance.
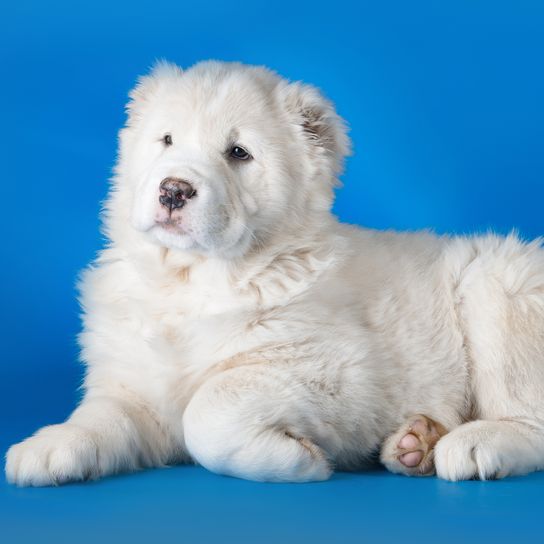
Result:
x=175 y=193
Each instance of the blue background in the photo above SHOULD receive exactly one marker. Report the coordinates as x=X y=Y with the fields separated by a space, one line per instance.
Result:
x=445 y=104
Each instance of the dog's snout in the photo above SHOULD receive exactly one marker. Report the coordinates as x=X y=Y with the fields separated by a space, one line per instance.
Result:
x=175 y=192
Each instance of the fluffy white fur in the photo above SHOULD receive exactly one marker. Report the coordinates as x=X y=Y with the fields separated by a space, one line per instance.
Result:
x=258 y=336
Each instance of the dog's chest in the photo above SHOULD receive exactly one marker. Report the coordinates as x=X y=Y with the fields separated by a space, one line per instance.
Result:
x=195 y=326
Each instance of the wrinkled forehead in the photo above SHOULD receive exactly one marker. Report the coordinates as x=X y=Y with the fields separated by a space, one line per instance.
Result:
x=232 y=105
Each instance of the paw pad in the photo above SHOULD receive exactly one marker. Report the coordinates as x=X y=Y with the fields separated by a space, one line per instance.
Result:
x=411 y=449
x=415 y=448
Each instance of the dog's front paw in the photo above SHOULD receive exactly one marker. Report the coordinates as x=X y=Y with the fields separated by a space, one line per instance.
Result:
x=473 y=450
x=54 y=455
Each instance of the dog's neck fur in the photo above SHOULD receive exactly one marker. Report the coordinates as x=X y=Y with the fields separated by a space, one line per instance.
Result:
x=271 y=272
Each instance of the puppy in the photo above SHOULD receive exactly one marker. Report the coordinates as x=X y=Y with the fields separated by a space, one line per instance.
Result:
x=232 y=321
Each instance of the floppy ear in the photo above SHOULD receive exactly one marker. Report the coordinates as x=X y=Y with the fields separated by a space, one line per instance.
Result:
x=149 y=85
x=323 y=129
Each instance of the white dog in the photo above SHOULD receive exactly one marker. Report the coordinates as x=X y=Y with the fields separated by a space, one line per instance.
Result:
x=234 y=322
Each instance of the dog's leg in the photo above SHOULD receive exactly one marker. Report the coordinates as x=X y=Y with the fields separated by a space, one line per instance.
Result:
x=410 y=450
x=501 y=311
x=102 y=436
x=254 y=424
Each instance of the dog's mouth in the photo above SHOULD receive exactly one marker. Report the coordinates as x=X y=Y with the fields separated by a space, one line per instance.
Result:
x=171 y=226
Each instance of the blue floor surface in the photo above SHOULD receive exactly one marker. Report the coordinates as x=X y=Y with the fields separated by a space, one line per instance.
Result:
x=188 y=504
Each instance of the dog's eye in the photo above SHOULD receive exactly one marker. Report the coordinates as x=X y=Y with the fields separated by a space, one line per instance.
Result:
x=167 y=139
x=239 y=153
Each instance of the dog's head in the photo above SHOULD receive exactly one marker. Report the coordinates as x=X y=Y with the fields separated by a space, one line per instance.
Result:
x=223 y=156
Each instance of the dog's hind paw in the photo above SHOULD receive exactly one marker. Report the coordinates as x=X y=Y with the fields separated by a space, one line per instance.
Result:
x=410 y=450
